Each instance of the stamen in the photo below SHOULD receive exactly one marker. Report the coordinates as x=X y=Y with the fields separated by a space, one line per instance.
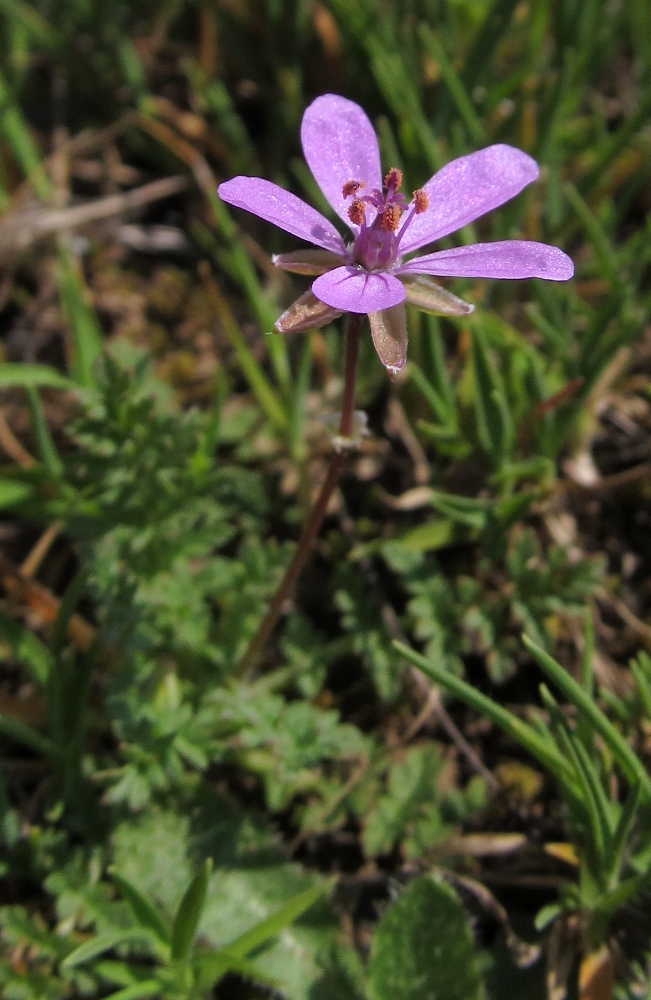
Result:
x=356 y=212
x=351 y=187
x=421 y=201
x=390 y=218
x=393 y=179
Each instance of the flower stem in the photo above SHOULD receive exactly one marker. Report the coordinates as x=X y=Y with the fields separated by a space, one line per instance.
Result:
x=313 y=524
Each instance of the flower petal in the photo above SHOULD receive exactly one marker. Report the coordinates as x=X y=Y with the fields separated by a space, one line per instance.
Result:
x=389 y=333
x=426 y=294
x=467 y=188
x=307 y=261
x=340 y=145
x=307 y=313
x=283 y=209
x=351 y=289
x=507 y=259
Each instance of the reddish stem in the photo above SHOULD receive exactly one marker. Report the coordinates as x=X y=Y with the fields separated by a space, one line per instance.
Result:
x=313 y=524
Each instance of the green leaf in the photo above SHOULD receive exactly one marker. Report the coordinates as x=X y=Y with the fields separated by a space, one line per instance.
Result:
x=144 y=911
x=422 y=949
x=623 y=831
x=32 y=376
x=104 y=942
x=84 y=328
x=436 y=534
x=46 y=448
x=12 y=493
x=20 y=732
x=526 y=735
x=274 y=924
x=547 y=915
x=139 y=991
x=628 y=760
x=213 y=966
x=26 y=648
x=189 y=913
x=460 y=97
x=495 y=428
x=469 y=511
x=591 y=795
x=252 y=881
x=19 y=137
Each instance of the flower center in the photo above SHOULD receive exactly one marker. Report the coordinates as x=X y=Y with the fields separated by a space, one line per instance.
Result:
x=376 y=245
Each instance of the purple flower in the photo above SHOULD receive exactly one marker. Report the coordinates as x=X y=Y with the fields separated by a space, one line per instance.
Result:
x=373 y=273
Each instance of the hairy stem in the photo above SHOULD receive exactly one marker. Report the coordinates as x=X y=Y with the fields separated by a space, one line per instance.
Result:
x=313 y=524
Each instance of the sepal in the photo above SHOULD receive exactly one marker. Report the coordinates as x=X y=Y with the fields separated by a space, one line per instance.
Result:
x=427 y=295
x=389 y=333
x=313 y=262
x=307 y=313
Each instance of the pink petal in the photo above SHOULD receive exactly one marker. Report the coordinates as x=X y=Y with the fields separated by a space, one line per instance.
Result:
x=351 y=289
x=340 y=145
x=507 y=259
x=467 y=188
x=283 y=209
x=389 y=333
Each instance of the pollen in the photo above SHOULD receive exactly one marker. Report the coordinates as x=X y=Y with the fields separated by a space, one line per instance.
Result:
x=351 y=187
x=356 y=212
x=421 y=201
x=390 y=218
x=393 y=179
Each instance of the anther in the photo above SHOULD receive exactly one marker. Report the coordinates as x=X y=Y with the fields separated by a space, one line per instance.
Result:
x=390 y=218
x=421 y=201
x=356 y=212
x=351 y=187
x=393 y=179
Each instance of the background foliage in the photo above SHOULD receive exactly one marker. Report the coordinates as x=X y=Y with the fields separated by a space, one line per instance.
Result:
x=390 y=806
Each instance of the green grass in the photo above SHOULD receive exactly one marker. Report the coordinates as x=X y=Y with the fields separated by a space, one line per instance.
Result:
x=168 y=447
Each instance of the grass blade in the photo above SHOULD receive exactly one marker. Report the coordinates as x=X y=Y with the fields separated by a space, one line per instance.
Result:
x=84 y=328
x=277 y=922
x=511 y=724
x=629 y=762
x=189 y=913
x=144 y=911
x=33 y=376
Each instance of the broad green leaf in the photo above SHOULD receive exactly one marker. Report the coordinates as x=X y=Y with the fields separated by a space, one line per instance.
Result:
x=189 y=913
x=251 y=882
x=422 y=949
